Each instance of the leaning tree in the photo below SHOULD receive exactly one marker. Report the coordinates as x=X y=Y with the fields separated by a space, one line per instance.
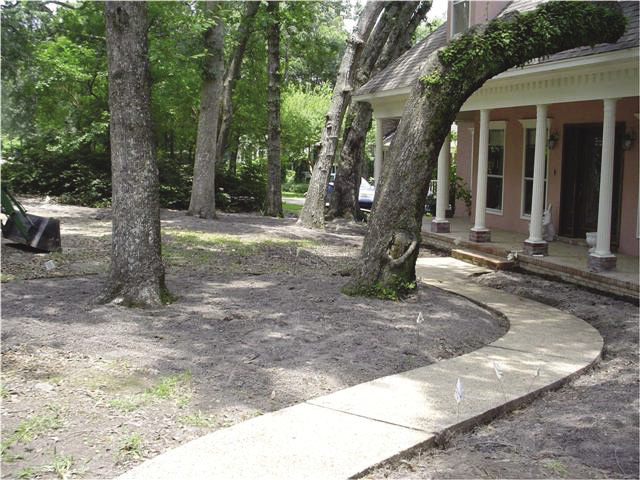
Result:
x=312 y=214
x=137 y=273
x=447 y=79
x=381 y=49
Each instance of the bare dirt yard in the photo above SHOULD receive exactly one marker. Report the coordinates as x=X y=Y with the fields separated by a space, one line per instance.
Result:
x=90 y=390
x=259 y=324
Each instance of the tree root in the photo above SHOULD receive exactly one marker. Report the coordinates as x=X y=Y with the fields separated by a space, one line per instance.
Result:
x=397 y=243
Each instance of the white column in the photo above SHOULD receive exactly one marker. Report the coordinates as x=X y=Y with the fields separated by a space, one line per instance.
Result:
x=537 y=200
x=603 y=243
x=481 y=183
x=442 y=194
x=377 y=163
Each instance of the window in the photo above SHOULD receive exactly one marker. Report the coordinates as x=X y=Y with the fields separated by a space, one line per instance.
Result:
x=460 y=20
x=495 y=169
x=527 y=170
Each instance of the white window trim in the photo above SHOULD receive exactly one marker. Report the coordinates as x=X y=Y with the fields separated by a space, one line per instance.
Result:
x=530 y=124
x=499 y=125
x=453 y=17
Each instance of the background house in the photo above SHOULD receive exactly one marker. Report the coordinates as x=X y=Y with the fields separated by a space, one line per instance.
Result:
x=586 y=101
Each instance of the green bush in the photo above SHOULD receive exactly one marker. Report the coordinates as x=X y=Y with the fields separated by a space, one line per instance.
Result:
x=294 y=187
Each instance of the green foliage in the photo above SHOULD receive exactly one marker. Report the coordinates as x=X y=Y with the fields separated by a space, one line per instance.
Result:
x=395 y=290
x=198 y=419
x=514 y=41
x=131 y=447
x=294 y=187
x=302 y=119
x=31 y=428
x=244 y=192
x=55 y=117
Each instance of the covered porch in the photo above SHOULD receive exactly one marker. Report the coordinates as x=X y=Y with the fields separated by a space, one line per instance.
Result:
x=566 y=258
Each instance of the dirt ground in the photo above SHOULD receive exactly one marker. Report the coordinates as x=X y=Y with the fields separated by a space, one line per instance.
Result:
x=587 y=429
x=90 y=390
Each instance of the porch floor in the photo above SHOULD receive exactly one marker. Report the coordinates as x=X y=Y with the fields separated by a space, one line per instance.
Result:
x=567 y=259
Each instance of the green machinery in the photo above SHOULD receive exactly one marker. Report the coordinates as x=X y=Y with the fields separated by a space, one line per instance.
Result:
x=41 y=233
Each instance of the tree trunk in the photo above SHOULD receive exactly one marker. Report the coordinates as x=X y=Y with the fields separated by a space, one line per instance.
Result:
x=384 y=45
x=136 y=275
x=312 y=214
x=233 y=154
x=448 y=78
x=232 y=75
x=273 y=207
x=203 y=190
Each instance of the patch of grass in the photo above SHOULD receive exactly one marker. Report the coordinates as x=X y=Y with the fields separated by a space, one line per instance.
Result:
x=62 y=466
x=293 y=194
x=175 y=387
x=7 y=277
x=28 y=472
x=129 y=403
x=4 y=393
x=557 y=467
x=291 y=208
x=198 y=419
x=29 y=429
x=10 y=458
x=131 y=448
x=199 y=247
x=113 y=383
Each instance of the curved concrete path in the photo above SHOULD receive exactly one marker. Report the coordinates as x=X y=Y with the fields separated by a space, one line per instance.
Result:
x=345 y=433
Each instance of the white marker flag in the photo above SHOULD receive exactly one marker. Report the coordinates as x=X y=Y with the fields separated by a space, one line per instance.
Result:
x=420 y=318
x=459 y=391
x=498 y=371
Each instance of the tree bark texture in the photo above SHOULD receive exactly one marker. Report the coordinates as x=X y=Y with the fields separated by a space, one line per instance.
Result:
x=232 y=74
x=448 y=78
x=203 y=189
x=400 y=24
x=136 y=275
x=273 y=207
x=312 y=214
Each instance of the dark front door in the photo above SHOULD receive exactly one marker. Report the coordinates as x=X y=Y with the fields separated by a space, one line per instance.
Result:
x=581 y=161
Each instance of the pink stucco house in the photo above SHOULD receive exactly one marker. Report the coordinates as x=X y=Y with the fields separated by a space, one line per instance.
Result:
x=558 y=134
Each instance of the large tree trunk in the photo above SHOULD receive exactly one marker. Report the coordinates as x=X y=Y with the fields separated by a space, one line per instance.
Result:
x=137 y=274
x=312 y=214
x=232 y=75
x=273 y=207
x=381 y=49
x=448 y=78
x=203 y=190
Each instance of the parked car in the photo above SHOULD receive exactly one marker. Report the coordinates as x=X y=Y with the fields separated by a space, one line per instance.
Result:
x=365 y=195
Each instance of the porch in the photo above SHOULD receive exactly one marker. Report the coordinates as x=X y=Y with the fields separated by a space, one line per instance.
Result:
x=566 y=259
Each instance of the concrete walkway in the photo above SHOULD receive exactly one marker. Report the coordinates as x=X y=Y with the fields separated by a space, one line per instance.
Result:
x=345 y=433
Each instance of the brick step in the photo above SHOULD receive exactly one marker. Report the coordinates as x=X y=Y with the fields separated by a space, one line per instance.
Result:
x=482 y=259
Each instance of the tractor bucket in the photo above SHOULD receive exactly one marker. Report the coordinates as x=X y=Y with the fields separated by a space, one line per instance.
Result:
x=42 y=233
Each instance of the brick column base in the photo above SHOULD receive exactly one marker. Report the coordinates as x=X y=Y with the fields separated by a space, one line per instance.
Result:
x=536 y=248
x=600 y=264
x=440 y=226
x=480 y=236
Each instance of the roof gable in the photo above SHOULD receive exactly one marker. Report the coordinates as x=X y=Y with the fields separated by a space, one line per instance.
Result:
x=404 y=71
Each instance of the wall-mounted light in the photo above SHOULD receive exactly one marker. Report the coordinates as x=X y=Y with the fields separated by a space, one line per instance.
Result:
x=627 y=141
x=553 y=139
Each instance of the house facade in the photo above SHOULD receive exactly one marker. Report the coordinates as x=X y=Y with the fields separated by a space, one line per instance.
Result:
x=558 y=135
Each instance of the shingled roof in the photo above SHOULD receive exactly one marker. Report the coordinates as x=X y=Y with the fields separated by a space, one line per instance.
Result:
x=404 y=71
